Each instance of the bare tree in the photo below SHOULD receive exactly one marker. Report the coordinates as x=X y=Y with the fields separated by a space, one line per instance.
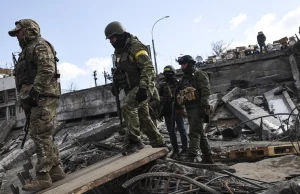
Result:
x=73 y=87
x=219 y=47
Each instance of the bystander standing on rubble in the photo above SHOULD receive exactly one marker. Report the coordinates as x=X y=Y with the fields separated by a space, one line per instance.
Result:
x=36 y=81
x=194 y=93
x=261 y=40
x=172 y=111
x=134 y=73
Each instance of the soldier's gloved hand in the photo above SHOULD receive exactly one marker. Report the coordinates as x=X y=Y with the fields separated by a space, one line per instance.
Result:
x=33 y=97
x=141 y=95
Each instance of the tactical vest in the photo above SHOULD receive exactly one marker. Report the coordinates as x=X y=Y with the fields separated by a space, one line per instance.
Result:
x=170 y=91
x=26 y=70
x=128 y=75
x=190 y=81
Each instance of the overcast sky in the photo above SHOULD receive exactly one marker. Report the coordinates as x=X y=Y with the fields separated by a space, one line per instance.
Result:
x=76 y=29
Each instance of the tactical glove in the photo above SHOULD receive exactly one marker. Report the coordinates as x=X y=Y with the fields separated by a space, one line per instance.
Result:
x=141 y=95
x=32 y=98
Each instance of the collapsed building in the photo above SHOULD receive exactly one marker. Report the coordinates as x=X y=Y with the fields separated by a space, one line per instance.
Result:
x=255 y=102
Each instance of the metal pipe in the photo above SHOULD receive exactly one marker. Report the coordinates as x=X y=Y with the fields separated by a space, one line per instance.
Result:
x=245 y=180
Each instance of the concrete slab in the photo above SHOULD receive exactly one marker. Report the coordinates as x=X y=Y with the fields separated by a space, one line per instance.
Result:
x=279 y=101
x=102 y=172
x=245 y=110
x=233 y=94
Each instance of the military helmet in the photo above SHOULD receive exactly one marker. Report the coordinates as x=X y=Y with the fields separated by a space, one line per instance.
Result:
x=114 y=28
x=169 y=68
x=25 y=23
x=186 y=59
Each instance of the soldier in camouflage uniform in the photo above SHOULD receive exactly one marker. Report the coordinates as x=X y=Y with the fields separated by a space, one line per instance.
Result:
x=134 y=73
x=197 y=108
x=36 y=82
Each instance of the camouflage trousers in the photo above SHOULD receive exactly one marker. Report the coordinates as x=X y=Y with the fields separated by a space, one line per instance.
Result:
x=40 y=128
x=197 y=136
x=137 y=119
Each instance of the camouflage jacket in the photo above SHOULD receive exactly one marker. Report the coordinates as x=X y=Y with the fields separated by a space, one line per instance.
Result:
x=37 y=58
x=199 y=80
x=134 y=55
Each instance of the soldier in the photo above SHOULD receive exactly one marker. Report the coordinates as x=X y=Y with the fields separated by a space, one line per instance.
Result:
x=171 y=111
x=36 y=81
x=261 y=40
x=194 y=93
x=134 y=73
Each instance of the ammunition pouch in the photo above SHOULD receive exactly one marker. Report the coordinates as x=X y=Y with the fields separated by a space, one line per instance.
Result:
x=186 y=95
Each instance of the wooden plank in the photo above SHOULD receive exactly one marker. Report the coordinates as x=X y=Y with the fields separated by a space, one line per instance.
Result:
x=102 y=172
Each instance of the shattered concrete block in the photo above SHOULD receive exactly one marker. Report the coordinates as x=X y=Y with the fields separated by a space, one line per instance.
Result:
x=279 y=101
x=106 y=130
x=18 y=155
x=258 y=100
x=233 y=94
x=245 y=110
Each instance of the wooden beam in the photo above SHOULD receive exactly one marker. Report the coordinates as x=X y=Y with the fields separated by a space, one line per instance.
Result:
x=104 y=171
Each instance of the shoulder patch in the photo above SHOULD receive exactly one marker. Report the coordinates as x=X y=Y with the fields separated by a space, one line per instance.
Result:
x=141 y=52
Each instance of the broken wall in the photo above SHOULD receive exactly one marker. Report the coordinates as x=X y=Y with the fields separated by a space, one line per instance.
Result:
x=259 y=71
x=87 y=103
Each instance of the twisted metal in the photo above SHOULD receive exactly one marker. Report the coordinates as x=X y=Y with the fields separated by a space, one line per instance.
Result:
x=158 y=181
x=170 y=175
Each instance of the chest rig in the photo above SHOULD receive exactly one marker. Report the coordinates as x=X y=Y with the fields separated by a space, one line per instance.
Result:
x=170 y=90
x=25 y=70
x=127 y=75
x=190 y=81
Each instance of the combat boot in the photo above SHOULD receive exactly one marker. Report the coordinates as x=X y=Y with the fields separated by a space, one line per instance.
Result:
x=133 y=146
x=187 y=158
x=42 y=181
x=174 y=154
x=57 y=173
x=206 y=151
x=207 y=159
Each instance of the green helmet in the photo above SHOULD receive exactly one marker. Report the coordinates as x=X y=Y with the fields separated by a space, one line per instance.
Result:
x=169 y=68
x=114 y=28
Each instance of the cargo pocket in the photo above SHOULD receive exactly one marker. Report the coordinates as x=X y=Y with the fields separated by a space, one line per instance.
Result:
x=44 y=122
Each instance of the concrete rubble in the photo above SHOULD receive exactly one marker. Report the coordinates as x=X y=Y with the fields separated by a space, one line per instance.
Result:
x=83 y=143
x=253 y=133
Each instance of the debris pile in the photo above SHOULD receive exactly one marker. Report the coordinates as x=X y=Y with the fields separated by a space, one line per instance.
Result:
x=242 y=128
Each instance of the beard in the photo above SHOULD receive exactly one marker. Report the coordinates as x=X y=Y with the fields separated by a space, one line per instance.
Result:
x=22 y=42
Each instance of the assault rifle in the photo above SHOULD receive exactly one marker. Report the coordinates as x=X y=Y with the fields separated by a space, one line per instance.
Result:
x=26 y=129
x=14 y=59
x=116 y=92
